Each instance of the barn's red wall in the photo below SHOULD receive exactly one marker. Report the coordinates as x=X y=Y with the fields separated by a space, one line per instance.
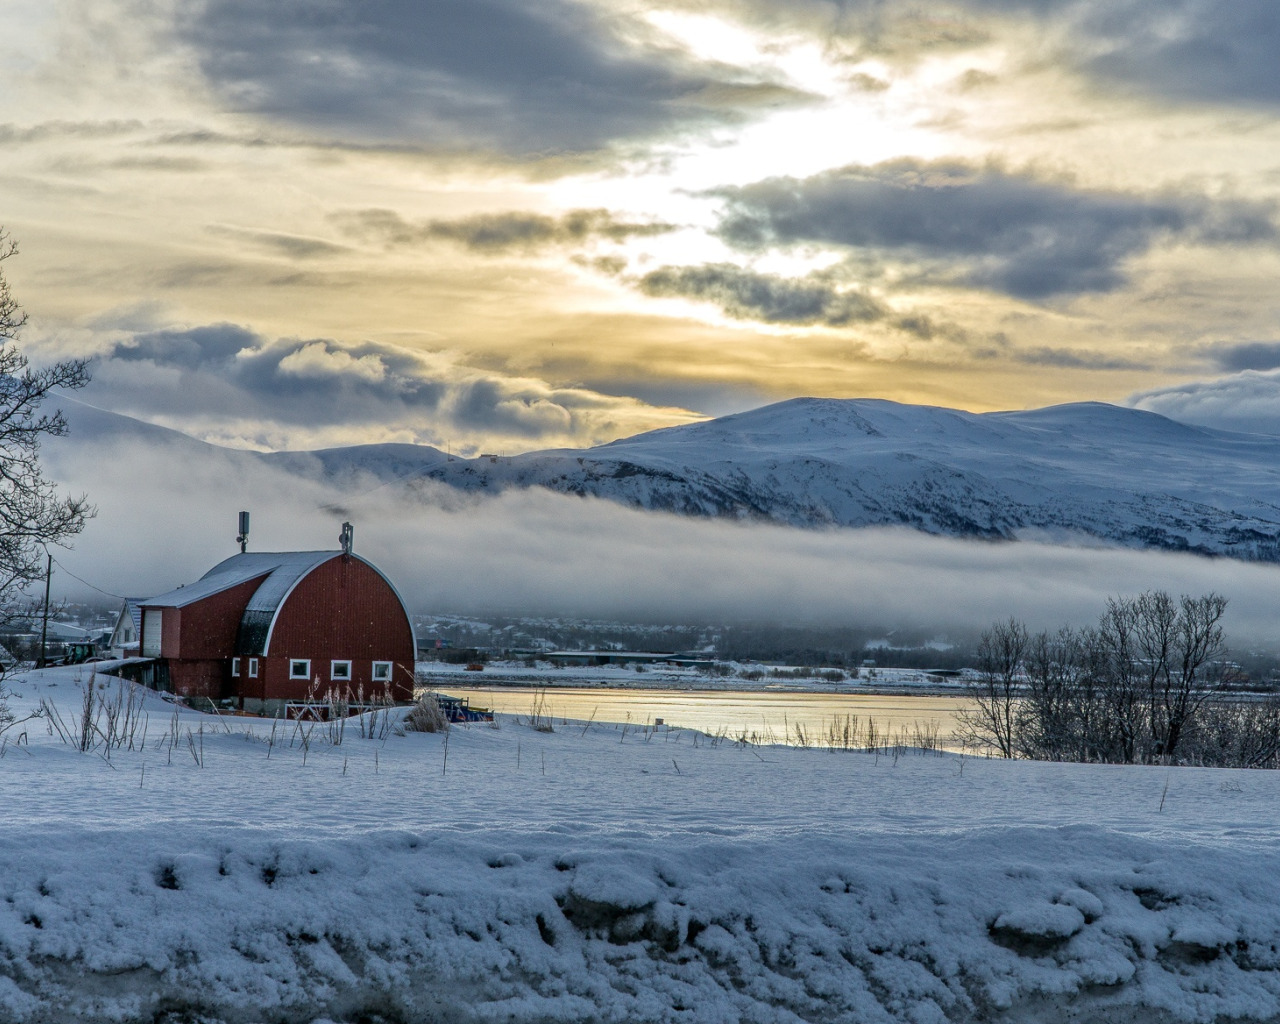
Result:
x=199 y=678
x=345 y=610
x=207 y=628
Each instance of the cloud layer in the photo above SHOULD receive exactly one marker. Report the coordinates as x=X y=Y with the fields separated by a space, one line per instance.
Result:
x=770 y=298
x=1248 y=401
x=228 y=383
x=494 y=233
x=980 y=225
x=554 y=77
x=1185 y=50
x=537 y=552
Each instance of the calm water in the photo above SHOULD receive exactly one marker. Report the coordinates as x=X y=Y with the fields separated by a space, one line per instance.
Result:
x=768 y=714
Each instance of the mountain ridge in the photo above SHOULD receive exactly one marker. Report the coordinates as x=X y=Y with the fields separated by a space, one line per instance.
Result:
x=1089 y=469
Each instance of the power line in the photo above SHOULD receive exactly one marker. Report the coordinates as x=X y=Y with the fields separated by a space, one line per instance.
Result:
x=118 y=597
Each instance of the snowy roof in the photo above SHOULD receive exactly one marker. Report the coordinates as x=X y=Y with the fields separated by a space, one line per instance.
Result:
x=285 y=569
x=215 y=581
x=66 y=630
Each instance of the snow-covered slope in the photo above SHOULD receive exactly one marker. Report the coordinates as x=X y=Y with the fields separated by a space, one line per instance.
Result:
x=1121 y=475
x=240 y=871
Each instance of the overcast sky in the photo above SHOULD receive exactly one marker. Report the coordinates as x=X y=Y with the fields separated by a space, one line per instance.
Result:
x=504 y=224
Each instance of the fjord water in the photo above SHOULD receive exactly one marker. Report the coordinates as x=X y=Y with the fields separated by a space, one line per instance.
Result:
x=771 y=715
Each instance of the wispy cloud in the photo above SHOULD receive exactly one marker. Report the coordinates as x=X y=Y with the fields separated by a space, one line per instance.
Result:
x=492 y=233
x=769 y=298
x=1247 y=355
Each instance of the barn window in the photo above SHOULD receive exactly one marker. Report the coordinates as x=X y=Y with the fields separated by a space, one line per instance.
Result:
x=300 y=668
x=253 y=668
x=340 y=671
x=235 y=666
x=382 y=671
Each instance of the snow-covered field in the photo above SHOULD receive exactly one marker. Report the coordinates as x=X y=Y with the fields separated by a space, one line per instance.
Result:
x=588 y=875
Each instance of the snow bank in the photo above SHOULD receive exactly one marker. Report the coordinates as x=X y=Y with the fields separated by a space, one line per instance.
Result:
x=588 y=875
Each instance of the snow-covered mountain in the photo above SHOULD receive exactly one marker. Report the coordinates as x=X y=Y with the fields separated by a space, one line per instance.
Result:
x=1094 y=470
x=1119 y=475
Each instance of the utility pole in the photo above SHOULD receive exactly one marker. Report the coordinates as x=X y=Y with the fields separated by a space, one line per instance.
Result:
x=44 y=626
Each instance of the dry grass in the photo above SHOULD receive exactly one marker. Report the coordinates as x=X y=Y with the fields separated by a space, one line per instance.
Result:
x=426 y=716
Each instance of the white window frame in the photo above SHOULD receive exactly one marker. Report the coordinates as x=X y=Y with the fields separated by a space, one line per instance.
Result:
x=253 y=668
x=382 y=678
x=235 y=666
x=306 y=670
x=333 y=671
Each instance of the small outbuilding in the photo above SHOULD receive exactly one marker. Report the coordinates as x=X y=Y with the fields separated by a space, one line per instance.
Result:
x=124 y=636
x=272 y=630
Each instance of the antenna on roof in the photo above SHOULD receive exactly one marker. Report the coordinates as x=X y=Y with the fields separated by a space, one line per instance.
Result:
x=346 y=539
x=243 y=539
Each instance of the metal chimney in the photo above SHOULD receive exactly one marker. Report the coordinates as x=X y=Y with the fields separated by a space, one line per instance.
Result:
x=347 y=539
x=243 y=539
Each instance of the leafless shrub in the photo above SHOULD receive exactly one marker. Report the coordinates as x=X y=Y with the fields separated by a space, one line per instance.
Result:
x=540 y=717
x=994 y=717
x=1236 y=733
x=7 y=717
x=196 y=745
x=426 y=716
x=1141 y=687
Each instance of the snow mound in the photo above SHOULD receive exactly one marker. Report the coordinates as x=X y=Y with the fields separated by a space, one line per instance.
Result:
x=576 y=876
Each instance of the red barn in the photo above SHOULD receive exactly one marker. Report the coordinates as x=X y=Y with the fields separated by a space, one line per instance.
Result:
x=270 y=629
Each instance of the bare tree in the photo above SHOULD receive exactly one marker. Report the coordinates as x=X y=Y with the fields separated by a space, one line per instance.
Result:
x=1054 y=714
x=994 y=718
x=1156 y=631
x=1196 y=670
x=1120 y=680
x=32 y=513
x=1234 y=733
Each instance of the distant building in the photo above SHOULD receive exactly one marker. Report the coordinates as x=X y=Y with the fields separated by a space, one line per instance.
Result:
x=274 y=629
x=128 y=628
x=600 y=658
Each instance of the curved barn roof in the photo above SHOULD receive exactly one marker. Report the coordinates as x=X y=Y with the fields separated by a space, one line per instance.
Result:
x=283 y=570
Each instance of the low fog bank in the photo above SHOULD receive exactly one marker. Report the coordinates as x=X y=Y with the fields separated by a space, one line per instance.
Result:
x=167 y=513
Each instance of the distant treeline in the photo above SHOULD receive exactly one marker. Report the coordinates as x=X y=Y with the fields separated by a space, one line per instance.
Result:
x=1150 y=684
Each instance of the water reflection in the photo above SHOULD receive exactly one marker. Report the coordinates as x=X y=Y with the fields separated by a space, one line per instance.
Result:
x=768 y=715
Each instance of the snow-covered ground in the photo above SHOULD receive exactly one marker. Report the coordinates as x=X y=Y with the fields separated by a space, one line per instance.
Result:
x=591 y=875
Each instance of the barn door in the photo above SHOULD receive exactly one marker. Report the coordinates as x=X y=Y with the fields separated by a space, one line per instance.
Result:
x=150 y=633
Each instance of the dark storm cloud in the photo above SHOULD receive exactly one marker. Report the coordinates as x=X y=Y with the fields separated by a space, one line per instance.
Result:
x=981 y=226
x=494 y=232
x=769 y=298
x=522 y=78
x=1250 y=355
x=228 y=372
